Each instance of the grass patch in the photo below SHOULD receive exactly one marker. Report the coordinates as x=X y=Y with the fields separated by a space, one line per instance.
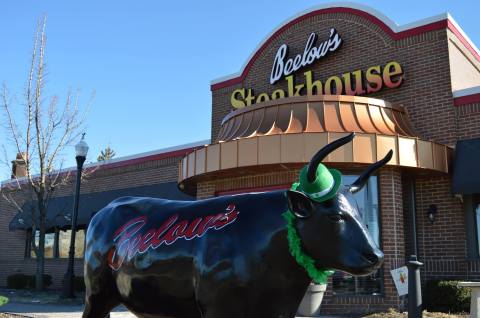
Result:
x=3 y=300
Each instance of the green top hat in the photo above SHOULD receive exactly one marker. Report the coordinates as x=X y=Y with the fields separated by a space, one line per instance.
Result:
x=324 y=187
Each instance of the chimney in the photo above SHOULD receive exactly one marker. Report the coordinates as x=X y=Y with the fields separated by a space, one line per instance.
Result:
x=19 y=167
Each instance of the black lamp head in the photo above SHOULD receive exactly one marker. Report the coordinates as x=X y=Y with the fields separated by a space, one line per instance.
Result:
x=432 y=212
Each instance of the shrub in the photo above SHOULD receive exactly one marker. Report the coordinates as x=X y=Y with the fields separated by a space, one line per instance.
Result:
x=22 y=281
x=79 y=284
x=47 y=281
x=446 y=296
x=17 y=281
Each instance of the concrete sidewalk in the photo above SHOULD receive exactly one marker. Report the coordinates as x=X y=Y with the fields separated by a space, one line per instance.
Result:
x=56 y=311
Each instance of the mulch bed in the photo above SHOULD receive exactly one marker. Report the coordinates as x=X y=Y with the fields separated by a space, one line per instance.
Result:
x=54 y=297
x=390 y=314
x=394 y=314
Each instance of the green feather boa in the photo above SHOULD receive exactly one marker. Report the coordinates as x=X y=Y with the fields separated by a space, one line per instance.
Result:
x=319 y=276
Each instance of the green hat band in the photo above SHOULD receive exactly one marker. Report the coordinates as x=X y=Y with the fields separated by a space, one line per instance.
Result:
x=322 y=193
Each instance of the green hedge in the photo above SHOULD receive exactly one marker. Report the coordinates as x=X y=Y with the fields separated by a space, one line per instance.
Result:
x=22 y=281
x=78 y=283
x=446 y=296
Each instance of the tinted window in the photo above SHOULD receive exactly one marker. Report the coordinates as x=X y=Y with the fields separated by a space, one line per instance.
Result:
x=367 y=200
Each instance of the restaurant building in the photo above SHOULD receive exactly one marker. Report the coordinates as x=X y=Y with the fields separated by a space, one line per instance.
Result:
x=322 y=74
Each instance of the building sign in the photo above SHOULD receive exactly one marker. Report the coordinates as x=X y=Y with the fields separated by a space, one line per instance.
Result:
x=357 y=82
x=310 y=54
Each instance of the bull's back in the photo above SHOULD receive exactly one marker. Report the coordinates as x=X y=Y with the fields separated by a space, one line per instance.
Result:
x=157 y=251
x=135 y=232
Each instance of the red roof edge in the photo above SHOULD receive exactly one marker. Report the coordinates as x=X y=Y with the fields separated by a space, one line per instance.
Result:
x=438 y=25
x=465 y=100
x=462 y=39
x=171 y=154
x=128 y=162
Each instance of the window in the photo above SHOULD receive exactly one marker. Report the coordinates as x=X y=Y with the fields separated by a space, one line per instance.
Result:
x=57 y=244
x=367 y=200
x=49 y=244
x=471 y=206
x=477 y=219
x=64 y=243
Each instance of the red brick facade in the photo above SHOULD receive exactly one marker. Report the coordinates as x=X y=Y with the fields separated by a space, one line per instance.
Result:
x=468 y=121
x=109 y=177
x=426 y=93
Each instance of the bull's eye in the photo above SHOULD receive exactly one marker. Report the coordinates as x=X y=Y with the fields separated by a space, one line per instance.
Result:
x=336 y=217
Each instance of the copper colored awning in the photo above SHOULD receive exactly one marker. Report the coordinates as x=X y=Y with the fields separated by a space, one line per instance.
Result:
x=285 y=133
x=316 y=114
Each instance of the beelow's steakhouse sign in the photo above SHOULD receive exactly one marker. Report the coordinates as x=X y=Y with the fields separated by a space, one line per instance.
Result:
x=358 y=82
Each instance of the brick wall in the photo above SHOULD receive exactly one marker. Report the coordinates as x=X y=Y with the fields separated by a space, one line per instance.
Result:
x=468 y=121
x=441 y=245
x=426 y=94
x=13 y=243
x=426 y=91
x=408 y=201
x=392 y=233
x=103 y=179
x=392 y=241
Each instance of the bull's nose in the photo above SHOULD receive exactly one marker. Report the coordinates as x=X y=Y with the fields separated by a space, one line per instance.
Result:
x=380 y=256
x=374 y=257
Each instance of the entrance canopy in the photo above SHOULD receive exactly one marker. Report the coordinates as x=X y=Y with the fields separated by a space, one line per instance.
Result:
x=285 y=133
x=466 y=171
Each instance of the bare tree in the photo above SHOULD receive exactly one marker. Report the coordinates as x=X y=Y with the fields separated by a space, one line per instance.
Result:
x=39 y=130
x=106 y=154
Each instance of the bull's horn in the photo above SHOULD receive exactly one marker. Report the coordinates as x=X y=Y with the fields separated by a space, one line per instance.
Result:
x=360 y=182
x=322 y=153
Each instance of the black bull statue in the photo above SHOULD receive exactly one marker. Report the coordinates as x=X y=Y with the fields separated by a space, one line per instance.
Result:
x=222 y=257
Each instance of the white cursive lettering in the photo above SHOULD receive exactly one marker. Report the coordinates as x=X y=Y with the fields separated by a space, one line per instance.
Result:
x=310 y=54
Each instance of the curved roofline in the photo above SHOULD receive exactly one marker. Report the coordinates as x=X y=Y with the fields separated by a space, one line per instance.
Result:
x=467 y=96
x=394 y=30
x=158 y=154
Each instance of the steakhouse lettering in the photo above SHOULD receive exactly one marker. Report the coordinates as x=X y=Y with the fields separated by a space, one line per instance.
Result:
x=132 y=238
x=357 y=82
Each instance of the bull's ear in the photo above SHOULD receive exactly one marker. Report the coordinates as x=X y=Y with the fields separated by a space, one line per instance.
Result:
x=300 y=204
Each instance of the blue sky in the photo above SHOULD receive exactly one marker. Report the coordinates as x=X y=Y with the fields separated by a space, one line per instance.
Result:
x=151 y=62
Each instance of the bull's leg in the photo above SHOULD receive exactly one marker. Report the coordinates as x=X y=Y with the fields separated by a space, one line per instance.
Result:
x=98 y=306
x=100 y=294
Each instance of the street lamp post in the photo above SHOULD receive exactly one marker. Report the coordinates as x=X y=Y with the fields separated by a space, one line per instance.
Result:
x=81 y=150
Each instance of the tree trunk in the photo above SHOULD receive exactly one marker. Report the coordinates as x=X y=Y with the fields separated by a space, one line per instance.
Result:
x=41 y=247
x=40 y=262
